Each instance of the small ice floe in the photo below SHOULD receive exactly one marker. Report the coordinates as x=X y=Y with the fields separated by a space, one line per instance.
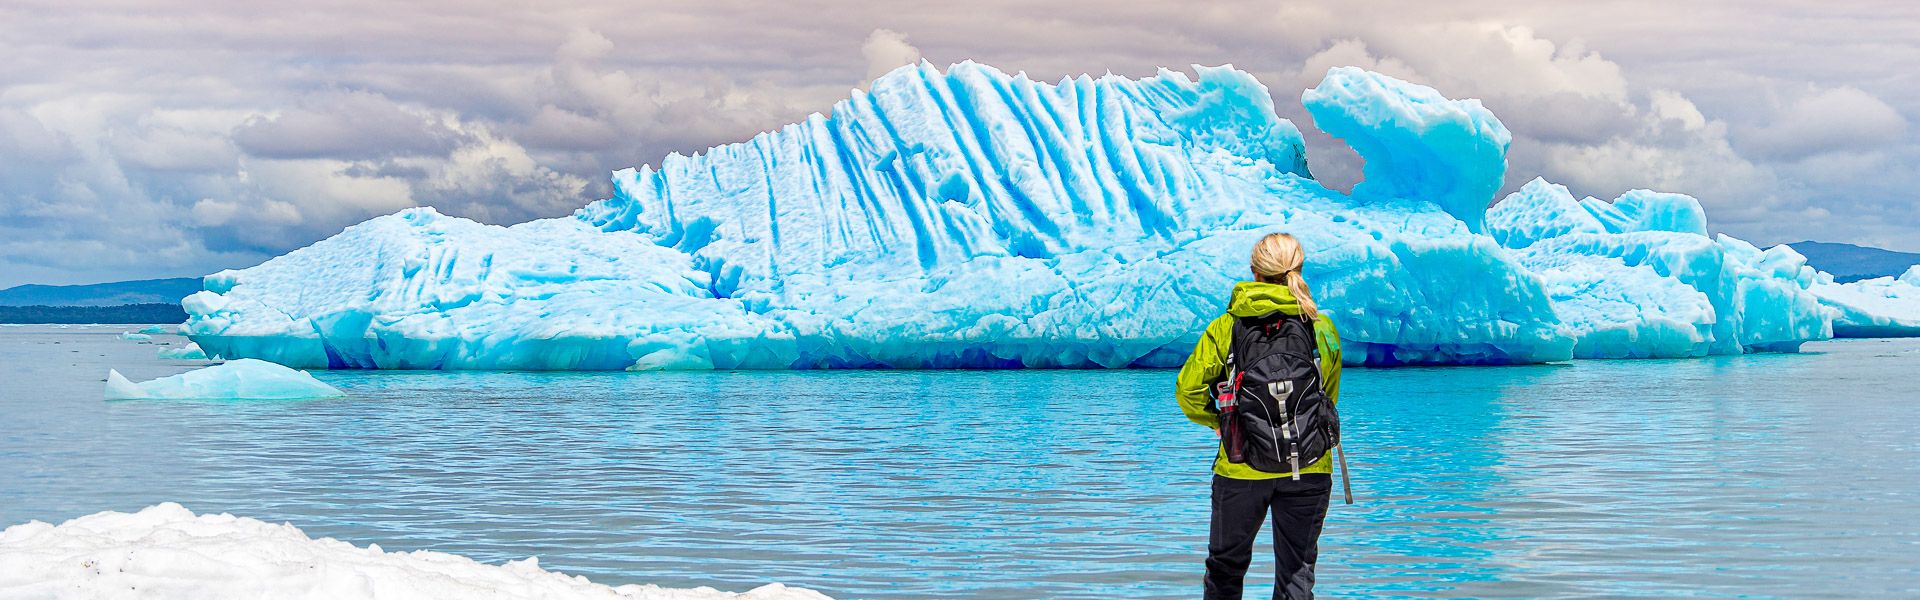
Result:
x=244 y=379
x=151 y=329
x=135 y=337
x=191 y=351
x=165 y=551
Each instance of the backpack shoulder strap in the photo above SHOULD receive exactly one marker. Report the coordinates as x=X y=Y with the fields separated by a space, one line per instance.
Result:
x=1240 y=333
x=1234 y=338
x=1313 y=336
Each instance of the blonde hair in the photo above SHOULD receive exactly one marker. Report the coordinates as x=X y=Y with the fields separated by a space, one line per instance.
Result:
x=1277 y=258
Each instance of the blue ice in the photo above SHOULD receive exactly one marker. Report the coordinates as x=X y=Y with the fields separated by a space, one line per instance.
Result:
x=972 y=218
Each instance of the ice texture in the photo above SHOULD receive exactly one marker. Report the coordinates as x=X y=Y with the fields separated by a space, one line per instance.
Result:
x=191 y=351
x=165 y=551
x=1417 y=143
x=1879 y=307
x=243 y=379
x=1639 y=277
x=972 y=218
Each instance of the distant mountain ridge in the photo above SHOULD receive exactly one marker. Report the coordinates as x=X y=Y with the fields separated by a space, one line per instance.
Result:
x=1848 y=262
x=118 y=293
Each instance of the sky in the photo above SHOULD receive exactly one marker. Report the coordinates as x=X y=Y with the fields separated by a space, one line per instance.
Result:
x=158 y=138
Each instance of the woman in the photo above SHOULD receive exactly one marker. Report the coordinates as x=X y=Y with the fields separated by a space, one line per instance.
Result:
x=1242 y=494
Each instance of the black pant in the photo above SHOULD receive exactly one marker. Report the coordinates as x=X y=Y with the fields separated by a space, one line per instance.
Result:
x=1239 y=505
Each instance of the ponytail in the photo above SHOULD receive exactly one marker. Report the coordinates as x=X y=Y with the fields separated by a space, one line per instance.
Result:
x=1302 y=294
x=1278 y=258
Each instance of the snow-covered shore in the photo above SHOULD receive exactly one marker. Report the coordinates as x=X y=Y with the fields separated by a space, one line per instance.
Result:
x=166 y=551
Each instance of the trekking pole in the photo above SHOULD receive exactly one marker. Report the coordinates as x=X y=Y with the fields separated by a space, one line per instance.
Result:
x=1346 y=485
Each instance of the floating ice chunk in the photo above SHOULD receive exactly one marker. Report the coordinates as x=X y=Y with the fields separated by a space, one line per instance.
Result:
x=191 y=351
x=244 y=379
x=154 y=329
x=1879 y=307
x=136 y=337
x=165 y=551
x=1418 y=144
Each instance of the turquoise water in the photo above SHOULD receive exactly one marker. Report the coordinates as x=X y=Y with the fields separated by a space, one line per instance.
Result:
x=1764 y=476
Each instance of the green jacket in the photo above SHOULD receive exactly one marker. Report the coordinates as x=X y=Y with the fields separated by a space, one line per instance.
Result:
x=1208 y=364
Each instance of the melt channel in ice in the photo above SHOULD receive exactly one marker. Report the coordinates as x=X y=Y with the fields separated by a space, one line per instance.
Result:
x=242 y=379
x=971 y=218
x=166 y=551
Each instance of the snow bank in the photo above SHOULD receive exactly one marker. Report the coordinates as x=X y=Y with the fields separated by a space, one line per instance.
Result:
x=244 y=379
x=165 y=551
x=191 y=351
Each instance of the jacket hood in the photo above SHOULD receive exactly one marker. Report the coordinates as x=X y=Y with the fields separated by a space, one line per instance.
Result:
x=1255 y=298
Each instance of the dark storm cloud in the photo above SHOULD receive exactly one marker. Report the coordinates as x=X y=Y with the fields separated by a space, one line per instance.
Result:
x=206 y=135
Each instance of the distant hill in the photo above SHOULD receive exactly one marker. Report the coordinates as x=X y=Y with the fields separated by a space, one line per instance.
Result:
x=119 y=293
x=1848 y=262
x=159 y=312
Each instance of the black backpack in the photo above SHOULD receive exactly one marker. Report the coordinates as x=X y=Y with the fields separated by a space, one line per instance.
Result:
x=1274 y=416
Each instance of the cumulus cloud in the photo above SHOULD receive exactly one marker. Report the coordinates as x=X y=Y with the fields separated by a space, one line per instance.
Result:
x=1833 y=120
x=886 y=50
x=226 y=133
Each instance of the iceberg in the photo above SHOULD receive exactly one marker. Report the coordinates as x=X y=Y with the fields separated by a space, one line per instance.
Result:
x=165 y=551
x=191 y=351
x=135 y=337
x=243 y=379
x=972 y=218
x=1879 y=307
x=969 y=218
x=1639 y=277
x=153 y=329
